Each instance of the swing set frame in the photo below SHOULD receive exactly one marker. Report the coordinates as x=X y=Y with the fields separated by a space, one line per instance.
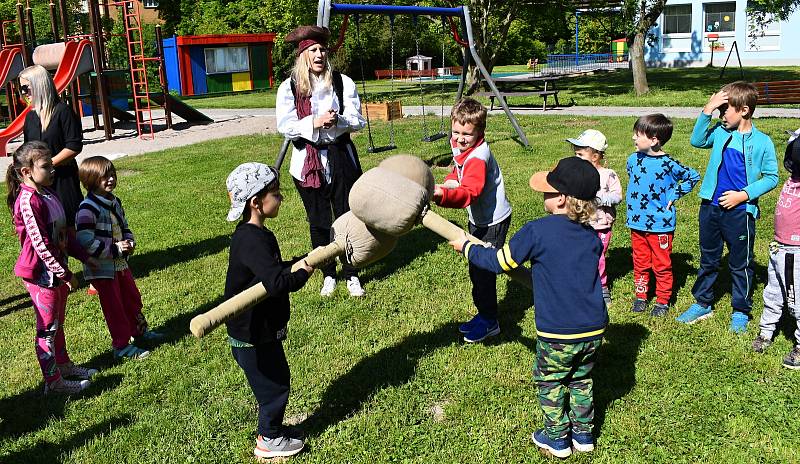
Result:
x=326 y=8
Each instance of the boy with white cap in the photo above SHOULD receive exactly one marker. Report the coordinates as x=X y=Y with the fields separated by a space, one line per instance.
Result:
x=256 y=335
x=591 y=145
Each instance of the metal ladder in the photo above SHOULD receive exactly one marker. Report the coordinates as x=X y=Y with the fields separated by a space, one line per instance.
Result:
x=138 y=67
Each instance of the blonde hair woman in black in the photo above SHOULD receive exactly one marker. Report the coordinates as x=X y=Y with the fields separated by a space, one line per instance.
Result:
x=317 y=108
x=54 y=123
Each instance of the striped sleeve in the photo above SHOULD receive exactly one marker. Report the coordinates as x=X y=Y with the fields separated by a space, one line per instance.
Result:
x=36 y=227
x=520 y=249
x=89 y=236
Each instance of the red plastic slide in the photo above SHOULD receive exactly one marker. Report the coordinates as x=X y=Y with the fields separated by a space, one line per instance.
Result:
x=77 y=58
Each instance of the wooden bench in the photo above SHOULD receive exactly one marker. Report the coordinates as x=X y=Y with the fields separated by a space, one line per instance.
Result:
x=541 y=93
x=778 y=92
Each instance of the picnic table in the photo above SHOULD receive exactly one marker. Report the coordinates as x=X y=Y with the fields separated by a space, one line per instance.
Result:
x=525 y=86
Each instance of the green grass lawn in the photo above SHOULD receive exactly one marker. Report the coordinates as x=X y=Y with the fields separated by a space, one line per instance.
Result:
x=668 y=87
x=386 y=378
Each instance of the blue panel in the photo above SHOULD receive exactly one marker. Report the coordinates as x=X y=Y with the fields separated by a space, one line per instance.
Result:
x=349 y=8
x=171 y=65
x=198 y=58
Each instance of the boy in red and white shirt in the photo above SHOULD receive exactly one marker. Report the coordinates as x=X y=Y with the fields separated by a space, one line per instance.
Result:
x=476 y=184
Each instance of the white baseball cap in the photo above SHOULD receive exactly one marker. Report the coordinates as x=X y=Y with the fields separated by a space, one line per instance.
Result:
x=244 y=182
x=591 y=138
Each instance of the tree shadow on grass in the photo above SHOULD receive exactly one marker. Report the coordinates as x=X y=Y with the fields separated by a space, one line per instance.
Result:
x=397 y=364
x=615 y=371
x=416 y=243
x=155 y=260
x=30 y=410
x=47 y=451
x=392 y=366
x=14 y=303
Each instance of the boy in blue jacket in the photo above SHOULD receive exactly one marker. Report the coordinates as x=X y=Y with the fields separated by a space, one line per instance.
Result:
x=741 y=168
x=570 y=312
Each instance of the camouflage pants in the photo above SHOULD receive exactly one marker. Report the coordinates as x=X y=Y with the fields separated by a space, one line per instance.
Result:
x=563 y=375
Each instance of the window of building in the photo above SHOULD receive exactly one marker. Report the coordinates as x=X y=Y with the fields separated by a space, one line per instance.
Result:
x=227 y=60
x=763 y=32
x=150 y=3
x=720 y=17
x=678 y=19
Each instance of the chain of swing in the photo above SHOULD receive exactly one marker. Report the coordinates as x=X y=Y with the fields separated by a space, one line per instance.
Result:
x=427 y=137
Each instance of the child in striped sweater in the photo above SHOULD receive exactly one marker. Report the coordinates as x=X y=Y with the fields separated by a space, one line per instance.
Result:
x=103 y=232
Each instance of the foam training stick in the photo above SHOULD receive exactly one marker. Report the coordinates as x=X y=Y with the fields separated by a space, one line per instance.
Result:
x=450 y=231
x=352 y=239
x=202 y=324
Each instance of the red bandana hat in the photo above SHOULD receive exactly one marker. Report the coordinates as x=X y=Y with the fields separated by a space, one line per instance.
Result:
x=306 y=36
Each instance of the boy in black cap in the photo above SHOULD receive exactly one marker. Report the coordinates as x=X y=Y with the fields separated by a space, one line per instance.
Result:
x=784 y=260
x=570 y=313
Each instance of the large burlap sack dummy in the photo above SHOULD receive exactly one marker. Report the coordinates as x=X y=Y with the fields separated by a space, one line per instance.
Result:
x=352 y=239
x=362 y=245
x=385 y=185
x=412 y=168
x=388 y=202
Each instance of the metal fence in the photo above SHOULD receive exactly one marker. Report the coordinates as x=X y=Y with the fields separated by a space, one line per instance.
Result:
x=581 y=63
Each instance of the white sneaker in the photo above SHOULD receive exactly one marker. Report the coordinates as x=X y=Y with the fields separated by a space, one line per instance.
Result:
x=354 y=287
x=68 y=387
x=328 y=286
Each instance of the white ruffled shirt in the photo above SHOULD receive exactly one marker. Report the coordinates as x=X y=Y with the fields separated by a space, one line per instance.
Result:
x=323 y=98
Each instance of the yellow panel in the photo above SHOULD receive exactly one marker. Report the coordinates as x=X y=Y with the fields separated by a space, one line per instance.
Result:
x=241 y=81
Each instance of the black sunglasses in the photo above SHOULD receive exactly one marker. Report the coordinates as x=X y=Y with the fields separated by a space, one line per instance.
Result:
x=24 y=89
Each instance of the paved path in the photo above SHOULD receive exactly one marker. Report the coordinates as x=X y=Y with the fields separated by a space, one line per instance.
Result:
x=229 y=123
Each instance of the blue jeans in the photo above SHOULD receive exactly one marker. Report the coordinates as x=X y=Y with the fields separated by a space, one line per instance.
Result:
x=736 y=229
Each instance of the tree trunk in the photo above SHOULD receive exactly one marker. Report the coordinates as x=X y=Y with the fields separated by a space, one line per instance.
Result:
x=638 y=65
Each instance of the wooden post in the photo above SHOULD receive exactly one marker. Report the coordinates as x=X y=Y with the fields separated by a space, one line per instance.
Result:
x=162 y=76
x=31 y=31
x=53 y=21
x=96 y=33
x=23 y=37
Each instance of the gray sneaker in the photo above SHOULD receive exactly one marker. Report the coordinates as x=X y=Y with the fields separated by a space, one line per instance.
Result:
x=659 y=310
x=67 y=387
x=761 y=343
x=277 y=447
x=639 y=305
x=71 y=370
x=792 y=360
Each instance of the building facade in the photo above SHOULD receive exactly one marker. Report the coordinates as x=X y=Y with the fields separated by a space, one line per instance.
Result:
x=684 y=33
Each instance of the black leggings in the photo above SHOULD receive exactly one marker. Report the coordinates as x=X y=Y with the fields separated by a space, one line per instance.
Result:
x=330 y=197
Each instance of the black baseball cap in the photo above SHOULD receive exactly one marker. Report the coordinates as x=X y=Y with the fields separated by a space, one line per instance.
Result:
x=572 y=176
x=791 y=159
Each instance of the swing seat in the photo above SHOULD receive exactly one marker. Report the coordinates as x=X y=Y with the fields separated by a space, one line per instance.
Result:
x=383 y=148
x=434 y=137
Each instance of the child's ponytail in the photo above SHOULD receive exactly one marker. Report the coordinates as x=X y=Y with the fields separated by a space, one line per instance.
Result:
x=27 y=154
x=13 y=183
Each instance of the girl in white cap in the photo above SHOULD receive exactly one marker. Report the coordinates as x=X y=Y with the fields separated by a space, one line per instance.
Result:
x=591 y=145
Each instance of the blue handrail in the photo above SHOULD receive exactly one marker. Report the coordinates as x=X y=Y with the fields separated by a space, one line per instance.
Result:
x=347 y=8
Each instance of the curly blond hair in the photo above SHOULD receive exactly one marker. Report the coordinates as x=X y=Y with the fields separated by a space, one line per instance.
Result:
x=581 y=211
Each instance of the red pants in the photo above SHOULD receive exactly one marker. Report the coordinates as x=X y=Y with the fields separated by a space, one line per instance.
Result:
x=122 y=307
x=652 y=251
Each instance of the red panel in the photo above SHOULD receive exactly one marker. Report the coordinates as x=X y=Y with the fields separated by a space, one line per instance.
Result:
x=225 y=39
x=185 y=63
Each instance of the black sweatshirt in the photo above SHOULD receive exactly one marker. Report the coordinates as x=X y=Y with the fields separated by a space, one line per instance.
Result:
x=255 y=257
x=64 y=131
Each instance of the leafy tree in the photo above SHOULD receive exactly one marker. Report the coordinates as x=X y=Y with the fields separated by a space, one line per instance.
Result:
x=641 y=16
